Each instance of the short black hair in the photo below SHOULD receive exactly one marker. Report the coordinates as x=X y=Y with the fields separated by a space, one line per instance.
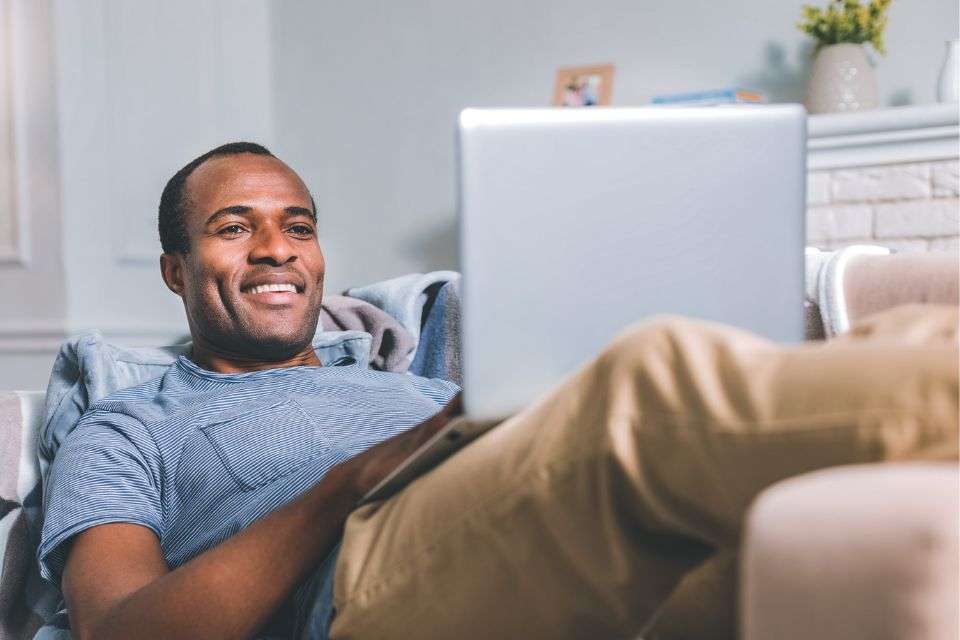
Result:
x=171 y=217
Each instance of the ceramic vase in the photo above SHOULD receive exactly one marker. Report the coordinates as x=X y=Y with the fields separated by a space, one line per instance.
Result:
x=948 y=87
x=841 y=80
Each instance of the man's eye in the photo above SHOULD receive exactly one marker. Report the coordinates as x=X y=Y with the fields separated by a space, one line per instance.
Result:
x=301 y=230
x=231 y=230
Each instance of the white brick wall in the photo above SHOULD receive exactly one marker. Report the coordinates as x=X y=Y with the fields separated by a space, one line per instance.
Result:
x=906 y=207
x=927 y=218
x=818 y=188
x=945 y=244
x=945 y=176
x=839 y=222
x=894 y=182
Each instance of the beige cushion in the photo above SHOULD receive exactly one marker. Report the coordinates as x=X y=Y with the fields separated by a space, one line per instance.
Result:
x=875 y=282
x=858 y=552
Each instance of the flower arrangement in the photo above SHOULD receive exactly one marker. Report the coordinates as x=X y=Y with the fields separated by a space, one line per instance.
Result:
x=846 y=21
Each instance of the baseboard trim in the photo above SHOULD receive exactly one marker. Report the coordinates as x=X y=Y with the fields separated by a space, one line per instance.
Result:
x=44 y=336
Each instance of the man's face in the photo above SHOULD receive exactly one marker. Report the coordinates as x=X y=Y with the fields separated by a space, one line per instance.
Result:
x=252 y=281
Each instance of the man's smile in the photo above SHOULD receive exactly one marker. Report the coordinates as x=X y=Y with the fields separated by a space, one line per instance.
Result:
x=274 y=289
x=274 y=294
x=266 y=288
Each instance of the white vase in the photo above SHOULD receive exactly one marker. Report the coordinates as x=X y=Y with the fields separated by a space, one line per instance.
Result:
x=948 y=88
x=841 y=80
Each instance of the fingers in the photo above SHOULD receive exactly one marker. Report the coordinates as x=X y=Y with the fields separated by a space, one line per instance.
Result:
x=454 y=408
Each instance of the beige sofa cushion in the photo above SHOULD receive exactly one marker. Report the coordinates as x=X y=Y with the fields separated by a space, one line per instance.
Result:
x=875 y=282
x=858 y=552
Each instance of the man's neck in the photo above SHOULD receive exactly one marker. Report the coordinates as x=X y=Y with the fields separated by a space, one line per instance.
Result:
x=221 y=361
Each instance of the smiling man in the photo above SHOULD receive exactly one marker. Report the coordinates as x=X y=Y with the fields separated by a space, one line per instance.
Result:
x=218 y=501
x=155 y=478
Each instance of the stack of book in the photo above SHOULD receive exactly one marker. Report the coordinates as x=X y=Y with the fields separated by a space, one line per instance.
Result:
x=733 y=95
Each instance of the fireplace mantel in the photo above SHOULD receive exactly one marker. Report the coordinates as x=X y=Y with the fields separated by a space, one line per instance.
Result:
x=883 y=136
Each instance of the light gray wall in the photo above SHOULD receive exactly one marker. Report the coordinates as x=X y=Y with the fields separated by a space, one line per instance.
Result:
x=143 y=88
x=32 y=289
x=114 y=97
x=366 y=93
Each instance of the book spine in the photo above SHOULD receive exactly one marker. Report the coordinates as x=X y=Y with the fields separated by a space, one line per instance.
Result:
x=696 y=96
x=720 y=96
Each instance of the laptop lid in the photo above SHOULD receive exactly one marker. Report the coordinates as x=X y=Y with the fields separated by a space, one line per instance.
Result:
x=575 y=223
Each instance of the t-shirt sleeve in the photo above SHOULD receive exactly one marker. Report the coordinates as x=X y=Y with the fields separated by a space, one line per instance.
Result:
x=107 y=470
x=439 y=390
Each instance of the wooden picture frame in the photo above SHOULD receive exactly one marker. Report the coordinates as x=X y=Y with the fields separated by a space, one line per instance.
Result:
x=585 y=86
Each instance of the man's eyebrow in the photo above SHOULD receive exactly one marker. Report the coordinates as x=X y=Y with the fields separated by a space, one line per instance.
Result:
x=240 y=210
x=299 y=211
x=233 y=210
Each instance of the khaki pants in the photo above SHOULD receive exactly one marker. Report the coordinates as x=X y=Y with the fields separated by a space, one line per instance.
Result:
x=613 y=506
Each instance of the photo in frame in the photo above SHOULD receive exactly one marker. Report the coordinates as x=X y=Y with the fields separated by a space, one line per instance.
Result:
x=586 y=86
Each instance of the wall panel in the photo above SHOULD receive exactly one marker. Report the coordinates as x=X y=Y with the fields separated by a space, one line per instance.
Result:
x=32 y=289
x=145 y=87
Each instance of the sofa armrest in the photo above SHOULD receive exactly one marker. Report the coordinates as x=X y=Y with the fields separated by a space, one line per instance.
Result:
x=876 y=282
x=25 y=599
x=867 y=551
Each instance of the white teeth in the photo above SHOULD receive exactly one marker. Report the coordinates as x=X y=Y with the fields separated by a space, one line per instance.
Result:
x=266 y=288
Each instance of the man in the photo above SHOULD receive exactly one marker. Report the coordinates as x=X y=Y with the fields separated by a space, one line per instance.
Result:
x=214 y=502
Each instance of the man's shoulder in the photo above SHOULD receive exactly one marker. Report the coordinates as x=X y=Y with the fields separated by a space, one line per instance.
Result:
x=143 y=403
x=122 y=400
x=437 y=389
x=406 y=378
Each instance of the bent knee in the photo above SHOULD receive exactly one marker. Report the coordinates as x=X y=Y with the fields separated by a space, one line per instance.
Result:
x=655 y=336
x=663 y=342
x=645 y=350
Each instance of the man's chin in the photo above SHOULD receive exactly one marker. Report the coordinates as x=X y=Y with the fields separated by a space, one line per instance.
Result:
x=270 y=345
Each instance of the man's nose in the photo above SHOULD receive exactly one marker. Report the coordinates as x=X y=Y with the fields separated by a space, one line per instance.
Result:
x=271 y=245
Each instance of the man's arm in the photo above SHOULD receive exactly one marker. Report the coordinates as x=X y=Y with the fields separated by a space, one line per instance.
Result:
x=117 y=584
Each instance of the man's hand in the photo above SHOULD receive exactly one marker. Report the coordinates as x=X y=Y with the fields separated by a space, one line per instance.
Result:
x=366 y=470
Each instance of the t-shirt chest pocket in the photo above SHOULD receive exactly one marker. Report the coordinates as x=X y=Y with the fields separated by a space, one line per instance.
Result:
x=265 y=443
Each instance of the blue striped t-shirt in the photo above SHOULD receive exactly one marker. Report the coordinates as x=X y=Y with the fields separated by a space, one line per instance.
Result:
x=196 y=456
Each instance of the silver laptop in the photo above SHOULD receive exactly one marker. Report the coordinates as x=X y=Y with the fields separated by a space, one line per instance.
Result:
x=575 y=223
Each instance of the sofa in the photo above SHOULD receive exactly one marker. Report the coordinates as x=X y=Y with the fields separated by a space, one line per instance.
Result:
x=862 y=551
x=867 y=551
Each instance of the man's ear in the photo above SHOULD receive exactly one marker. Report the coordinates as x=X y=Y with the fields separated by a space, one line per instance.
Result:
x=171 y=268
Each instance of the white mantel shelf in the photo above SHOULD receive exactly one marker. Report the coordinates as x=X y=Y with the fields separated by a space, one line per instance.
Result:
x=883 y=136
